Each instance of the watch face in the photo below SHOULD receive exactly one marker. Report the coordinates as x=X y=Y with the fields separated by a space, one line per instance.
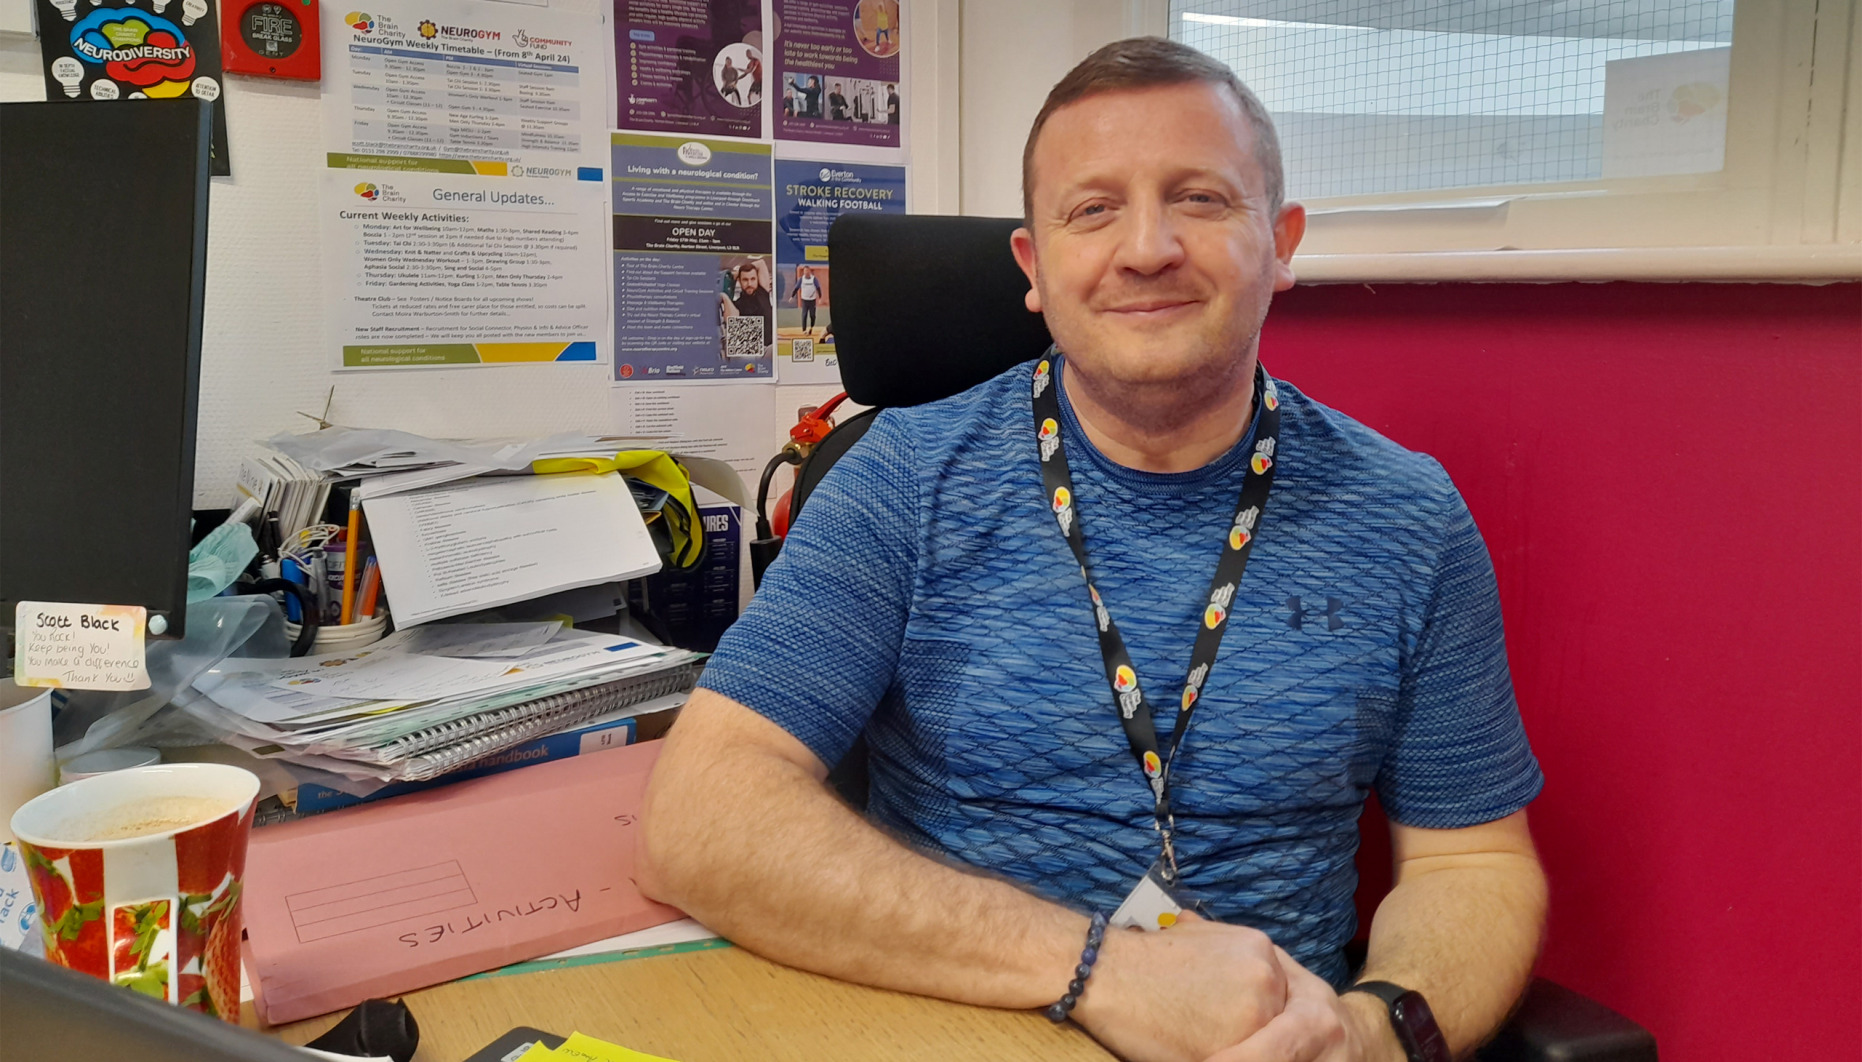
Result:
x=1415 y=1026
x=271 y=30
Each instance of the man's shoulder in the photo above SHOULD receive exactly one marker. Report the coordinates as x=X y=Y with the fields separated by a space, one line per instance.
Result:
x=948 y=425
x=1320 y=442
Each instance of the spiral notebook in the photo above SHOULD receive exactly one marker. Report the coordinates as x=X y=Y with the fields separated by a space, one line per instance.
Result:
x=450 y=746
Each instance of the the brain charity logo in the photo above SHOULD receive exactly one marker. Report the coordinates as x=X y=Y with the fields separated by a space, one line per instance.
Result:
x=1050 y=438
x=1219 y=600
x=1272 y=396
x=368 y=191
x=428 y=29
x=1243 y=531
x=1263 y=458
x=1063 y=509
x=360 y=21
x=1693 y=100
x=1041 y=377
x=1152 y=765
x=1124 y=679
x=137 y=48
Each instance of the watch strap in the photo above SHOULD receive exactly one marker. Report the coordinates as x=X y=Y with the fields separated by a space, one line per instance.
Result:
x=1383 y=990
x=1430 y=1049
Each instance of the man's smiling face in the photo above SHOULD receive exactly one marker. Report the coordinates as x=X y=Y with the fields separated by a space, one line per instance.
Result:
x=1151 y=245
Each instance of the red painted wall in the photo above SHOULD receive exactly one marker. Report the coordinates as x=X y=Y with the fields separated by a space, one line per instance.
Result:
x=1669 y=478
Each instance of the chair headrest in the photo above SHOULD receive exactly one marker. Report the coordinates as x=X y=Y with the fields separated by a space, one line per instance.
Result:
x=926 y=306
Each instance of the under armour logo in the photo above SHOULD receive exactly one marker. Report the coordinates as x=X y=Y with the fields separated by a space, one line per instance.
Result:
x=1297 y=620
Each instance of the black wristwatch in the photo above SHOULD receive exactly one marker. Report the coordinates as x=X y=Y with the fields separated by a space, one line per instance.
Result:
x=1412 y=1019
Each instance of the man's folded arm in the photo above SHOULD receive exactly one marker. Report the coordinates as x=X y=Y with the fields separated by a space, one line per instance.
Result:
x=742 y=833
x=1462 y=924
x=740 y=830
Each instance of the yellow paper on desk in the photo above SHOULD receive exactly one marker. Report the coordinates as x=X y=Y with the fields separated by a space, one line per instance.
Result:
x=586 y=1049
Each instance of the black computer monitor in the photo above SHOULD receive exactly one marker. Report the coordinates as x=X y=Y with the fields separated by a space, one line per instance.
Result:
x=103 y=255
x=51 y=1014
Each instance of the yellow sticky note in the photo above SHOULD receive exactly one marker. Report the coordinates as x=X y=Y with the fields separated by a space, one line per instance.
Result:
x=538 y=1053
x=588 y=1049
x=82 y=647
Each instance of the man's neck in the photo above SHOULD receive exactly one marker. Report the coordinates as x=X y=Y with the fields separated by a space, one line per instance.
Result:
x=1177 y=429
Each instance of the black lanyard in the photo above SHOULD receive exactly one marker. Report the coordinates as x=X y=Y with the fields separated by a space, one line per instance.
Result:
x=1134 y=710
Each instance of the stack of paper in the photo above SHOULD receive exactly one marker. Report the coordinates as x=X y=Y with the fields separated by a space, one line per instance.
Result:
x=281 y=485
x=494 y=540
x=389 y=462
x=428 y=701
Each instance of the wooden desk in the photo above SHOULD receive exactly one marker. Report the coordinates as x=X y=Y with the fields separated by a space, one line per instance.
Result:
x=725 y=1005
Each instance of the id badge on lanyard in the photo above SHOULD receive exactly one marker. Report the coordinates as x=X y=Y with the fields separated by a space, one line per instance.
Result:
x=1153 y=900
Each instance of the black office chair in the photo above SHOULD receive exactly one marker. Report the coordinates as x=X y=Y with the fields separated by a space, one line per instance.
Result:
x=926 y=307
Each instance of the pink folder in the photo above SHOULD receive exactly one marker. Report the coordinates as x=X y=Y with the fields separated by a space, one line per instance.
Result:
x=386 y=898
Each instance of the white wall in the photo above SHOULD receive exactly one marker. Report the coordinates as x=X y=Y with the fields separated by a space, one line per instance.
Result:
x=1012 y=53
x=263 y=358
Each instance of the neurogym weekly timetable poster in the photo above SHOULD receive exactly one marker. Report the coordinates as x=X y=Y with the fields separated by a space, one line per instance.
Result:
x=465 y=192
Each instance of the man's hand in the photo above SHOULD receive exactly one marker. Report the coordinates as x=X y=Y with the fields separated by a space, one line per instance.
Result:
x=1185 y=992
x=1318 y=1025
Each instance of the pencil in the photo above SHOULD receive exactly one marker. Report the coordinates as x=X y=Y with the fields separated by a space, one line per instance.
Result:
x=371 y=589
x=349 y=560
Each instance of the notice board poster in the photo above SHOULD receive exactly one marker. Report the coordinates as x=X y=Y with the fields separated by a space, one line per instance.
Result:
x=116 y=51
x=690 y=66
x=693 y=275
x=809 y=196
x=839 y=75
x=465 y=189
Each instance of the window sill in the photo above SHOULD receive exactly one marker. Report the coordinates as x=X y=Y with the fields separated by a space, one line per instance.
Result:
x=1823 y=263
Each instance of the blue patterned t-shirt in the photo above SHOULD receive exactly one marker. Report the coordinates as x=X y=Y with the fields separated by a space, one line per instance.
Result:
x=926 y=596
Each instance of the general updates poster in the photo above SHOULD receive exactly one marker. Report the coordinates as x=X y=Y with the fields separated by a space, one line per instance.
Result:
x=690 y=66
x=116 y=51
x=839 y=76
x=809 y=196
x=465 y=184
x=693 y=275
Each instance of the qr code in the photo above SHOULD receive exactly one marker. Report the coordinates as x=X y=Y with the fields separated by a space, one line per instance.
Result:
x=743 y=337
x=802 y=350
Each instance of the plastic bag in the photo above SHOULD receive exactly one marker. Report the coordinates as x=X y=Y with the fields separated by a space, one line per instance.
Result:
x=217 y=628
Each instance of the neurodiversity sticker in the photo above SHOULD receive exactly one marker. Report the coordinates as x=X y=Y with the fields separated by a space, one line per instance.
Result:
x=86 y=647
x=128 y=53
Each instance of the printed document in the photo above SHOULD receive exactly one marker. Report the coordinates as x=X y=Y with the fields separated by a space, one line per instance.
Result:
x=497 y=540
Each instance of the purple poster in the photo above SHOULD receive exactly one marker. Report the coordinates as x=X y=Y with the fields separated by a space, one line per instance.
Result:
x=690 y=66
x=839 y=71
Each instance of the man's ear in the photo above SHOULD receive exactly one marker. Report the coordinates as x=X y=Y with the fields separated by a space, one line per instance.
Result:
x=1289 y=229
x=1021 y=243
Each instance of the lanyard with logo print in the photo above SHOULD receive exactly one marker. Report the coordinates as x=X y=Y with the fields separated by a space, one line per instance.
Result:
x=1128 y=697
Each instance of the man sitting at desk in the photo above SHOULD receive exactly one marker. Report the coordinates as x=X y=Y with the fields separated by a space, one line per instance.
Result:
x=1025 y=593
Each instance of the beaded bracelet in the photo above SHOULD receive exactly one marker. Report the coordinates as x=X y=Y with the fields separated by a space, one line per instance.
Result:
x=1095 y=936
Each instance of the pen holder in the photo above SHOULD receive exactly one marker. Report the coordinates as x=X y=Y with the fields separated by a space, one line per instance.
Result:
x=342 y=638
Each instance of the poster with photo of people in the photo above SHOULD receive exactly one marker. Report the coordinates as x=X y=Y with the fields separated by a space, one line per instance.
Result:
x=690 y=66
x=809 y=196
x=838 y=76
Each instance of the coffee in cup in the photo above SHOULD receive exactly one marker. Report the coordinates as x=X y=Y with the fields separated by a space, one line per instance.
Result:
x=138 y=876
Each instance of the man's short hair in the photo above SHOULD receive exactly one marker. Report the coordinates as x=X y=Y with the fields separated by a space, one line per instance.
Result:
x=1151 y=62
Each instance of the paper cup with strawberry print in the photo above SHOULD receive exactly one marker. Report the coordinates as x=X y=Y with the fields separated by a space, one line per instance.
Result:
x=137 y=875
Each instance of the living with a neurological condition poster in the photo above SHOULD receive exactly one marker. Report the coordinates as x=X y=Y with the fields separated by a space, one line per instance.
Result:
x=690 y=66
x=116 y=50
x=809 y=196
x=839 y=71
x=693 y=276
